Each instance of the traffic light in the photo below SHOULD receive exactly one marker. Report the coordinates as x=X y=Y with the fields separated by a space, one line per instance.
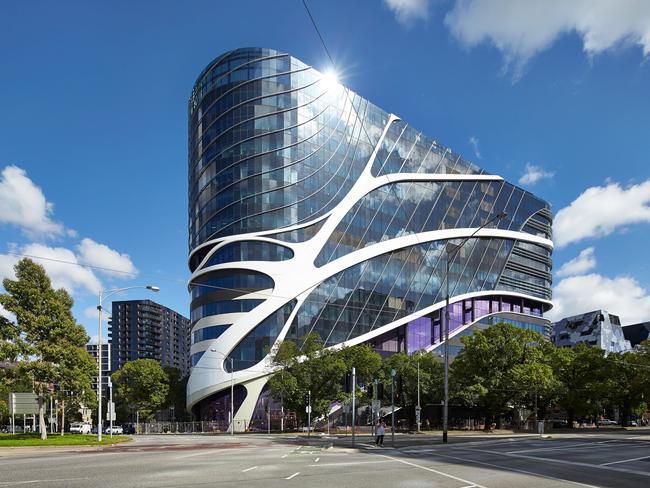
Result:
x=370 y=390
x=399 y=384
x=307 y=398
x=348 y=383
x=380 y=391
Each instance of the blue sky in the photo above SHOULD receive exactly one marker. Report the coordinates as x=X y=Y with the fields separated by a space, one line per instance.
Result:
x=93 y=122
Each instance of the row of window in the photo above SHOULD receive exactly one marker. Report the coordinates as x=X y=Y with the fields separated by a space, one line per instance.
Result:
x=243 y=281
x=208 y=333
x=224 y=306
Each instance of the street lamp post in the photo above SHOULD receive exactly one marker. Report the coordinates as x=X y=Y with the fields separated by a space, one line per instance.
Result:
x=445 y=407
x=232 y=389
x=419 y=409
x=103 y=295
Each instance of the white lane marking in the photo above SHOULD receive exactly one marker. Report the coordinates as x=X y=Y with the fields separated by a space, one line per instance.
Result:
x=371 y=446
x=293 y=475
x=317 y=459
x=346 y=464
x=204 y=452
x=570 y=446
x=572 y=463
x=626 y=460
x=13 y=483
x=433 y=471
x=516 y=470
x=248 y=469
x=284 y=456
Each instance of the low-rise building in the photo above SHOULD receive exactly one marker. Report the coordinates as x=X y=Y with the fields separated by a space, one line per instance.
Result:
x=595 y=329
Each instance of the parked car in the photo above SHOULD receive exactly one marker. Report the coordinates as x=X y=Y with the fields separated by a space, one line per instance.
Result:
x=633 y=423
x=115 y=430
x=93 y=430
x=80 y=428
x=128 y=429
x=608 y=422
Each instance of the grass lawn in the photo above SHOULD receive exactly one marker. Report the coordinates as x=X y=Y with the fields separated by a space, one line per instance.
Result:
x=17 y=440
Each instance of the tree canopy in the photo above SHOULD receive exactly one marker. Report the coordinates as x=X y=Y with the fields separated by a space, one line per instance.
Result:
x=143 y=385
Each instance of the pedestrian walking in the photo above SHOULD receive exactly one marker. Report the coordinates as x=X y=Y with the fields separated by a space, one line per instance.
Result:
x=381 y=430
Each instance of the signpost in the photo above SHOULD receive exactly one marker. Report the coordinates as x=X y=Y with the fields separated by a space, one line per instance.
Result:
x=22 y=403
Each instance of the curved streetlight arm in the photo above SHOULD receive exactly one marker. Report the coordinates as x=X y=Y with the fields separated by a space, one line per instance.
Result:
x=103 y=296
x=499 y=216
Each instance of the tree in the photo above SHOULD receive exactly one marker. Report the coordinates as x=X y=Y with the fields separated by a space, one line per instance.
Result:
x=406 y=368
x=142 y=385
x=320 y=371
x=500 y=367
x=176 y=398
x=51 y=342
x=586 y=382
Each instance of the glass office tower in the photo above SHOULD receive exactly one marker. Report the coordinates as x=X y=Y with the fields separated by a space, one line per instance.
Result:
x=313 y=210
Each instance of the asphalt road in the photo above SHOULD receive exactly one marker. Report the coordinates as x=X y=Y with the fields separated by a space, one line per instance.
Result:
x=619 y=459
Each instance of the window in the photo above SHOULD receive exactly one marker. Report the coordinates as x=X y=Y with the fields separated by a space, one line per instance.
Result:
x=207 y=333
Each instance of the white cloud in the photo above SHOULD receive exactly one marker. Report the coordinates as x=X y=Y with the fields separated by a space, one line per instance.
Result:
x=520 y=29
x=24 y=205
x=90 y=312
x=622 y=296
x=533 y=174
x=581 y=264
x=95 y=339
x=600 y=210
x=7 y=314
x=102 y=256
x=474 y=142
x=408 y=11
x=62 y=274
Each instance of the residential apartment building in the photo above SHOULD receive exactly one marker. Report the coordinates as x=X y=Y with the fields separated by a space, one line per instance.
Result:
x=144 y=329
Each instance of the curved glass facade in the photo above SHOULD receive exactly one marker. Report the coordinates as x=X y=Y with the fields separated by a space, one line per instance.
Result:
x=347 y=198
x=250 y=251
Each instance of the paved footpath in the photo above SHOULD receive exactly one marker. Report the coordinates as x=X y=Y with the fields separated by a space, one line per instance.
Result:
x=609 y=459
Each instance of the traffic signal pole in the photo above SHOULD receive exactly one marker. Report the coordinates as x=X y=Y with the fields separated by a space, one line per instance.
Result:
x=354 y=408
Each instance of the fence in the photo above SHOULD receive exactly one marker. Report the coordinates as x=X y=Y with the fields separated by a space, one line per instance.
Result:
x=197 y=427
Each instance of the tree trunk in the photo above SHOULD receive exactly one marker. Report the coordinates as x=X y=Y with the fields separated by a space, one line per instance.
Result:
x=570 y=418
x=62 y=417
x=41 y=418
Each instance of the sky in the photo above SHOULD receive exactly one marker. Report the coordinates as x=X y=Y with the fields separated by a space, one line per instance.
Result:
x=93 y=115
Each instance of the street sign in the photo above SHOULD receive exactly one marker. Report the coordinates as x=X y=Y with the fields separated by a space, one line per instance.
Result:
x=308 y=409
x=110 y=412
x=376 y=405
x=417 y=415
x=23 y=404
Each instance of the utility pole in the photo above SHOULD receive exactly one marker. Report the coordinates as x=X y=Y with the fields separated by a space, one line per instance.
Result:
x=392 y=406
x=308 y=413
x=450 y=257
x=354 y=408
x=419 y=410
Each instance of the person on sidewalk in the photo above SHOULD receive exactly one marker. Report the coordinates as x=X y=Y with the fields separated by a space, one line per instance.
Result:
x=381 y=430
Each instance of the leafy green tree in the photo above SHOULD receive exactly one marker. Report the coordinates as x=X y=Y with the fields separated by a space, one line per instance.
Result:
x=142 y=385
x=52 y=343
x=502 y=367
x=629 y=375
x=586 y=382
x=320 y=371
x=406 y=368
x=176 y=398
